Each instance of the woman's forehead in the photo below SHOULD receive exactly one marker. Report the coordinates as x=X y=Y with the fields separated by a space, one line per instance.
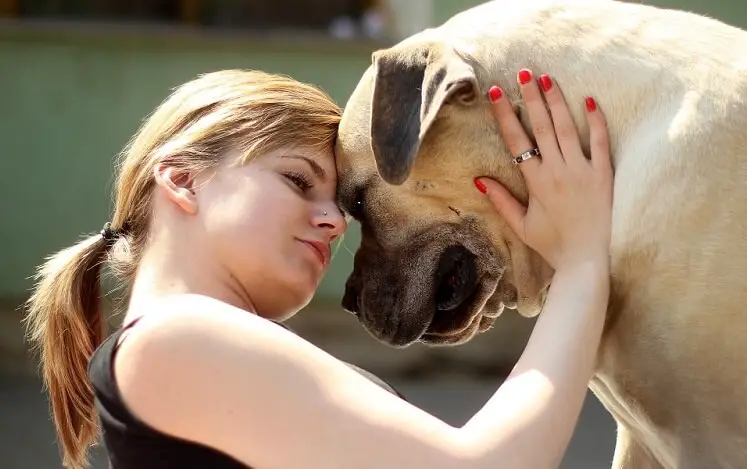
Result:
x=320 y=158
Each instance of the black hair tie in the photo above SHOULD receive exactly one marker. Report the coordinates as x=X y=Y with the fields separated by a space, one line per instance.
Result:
x=111 y=235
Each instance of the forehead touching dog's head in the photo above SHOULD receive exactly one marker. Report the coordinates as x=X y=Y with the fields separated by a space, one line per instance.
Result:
x=436 y=262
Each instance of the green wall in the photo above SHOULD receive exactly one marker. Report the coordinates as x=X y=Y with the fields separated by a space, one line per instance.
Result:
x=72 y=98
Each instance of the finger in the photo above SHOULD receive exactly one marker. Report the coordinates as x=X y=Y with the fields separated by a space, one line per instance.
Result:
x=511 y=209
x=539 y=118
x=599 y=142
x=565 y=129
x=511 y=130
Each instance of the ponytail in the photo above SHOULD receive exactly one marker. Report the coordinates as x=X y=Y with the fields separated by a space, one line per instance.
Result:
x=65 y=325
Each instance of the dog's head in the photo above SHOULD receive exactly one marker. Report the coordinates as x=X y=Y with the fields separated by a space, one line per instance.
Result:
x=436 y=262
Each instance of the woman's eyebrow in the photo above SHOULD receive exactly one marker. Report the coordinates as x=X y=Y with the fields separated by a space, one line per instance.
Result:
x=318 y=170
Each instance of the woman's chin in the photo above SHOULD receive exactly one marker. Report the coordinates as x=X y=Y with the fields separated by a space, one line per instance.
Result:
x=294 y=300
x=291 y=290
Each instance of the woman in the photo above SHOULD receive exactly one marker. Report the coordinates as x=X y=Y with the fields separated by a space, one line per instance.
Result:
x=225 y=211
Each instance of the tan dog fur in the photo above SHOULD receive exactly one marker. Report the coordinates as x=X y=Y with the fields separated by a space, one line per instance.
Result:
x=673 y=86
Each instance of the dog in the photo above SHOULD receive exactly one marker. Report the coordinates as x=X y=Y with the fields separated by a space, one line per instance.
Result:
x=437 y=264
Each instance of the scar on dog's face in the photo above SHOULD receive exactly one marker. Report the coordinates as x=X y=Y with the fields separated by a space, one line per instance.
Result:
x=436 y=263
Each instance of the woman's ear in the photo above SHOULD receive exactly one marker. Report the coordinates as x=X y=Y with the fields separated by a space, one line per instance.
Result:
x=177 y=185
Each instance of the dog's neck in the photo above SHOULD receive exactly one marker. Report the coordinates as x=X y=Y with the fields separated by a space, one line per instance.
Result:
x=576 y=52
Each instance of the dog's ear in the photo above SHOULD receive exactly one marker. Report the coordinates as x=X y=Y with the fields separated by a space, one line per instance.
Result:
x=410 y=88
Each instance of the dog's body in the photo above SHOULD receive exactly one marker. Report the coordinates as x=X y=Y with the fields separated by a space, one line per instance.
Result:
x=673 y=87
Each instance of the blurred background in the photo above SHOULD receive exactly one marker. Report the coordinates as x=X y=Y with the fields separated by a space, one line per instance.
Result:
x=77 y=77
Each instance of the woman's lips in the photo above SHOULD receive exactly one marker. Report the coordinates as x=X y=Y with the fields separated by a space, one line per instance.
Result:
x=321 y=250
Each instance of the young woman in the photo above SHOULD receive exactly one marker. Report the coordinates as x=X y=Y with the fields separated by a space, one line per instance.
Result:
x=225 y=211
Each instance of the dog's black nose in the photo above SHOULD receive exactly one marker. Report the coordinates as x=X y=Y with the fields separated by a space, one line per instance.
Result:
x=350 y=300
x=457 y=274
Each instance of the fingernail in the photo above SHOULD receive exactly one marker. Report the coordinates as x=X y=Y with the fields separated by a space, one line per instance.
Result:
x=524 y=76
x=591 y=105
x=481 y=186
x=495 y=93
x=545 y=82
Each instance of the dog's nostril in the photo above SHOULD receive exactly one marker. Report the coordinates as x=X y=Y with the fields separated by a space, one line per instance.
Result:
x=456 y=277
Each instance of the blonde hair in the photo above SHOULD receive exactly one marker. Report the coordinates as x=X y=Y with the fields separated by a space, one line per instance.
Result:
x=251 y=112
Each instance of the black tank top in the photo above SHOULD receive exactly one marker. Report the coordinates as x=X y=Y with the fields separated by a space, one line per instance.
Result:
x=132 y=444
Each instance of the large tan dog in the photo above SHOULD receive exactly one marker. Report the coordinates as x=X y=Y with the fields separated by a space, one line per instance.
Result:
x=436 y=264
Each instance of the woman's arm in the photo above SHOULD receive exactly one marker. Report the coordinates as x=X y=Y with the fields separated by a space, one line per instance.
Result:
x=568 y=221
x=530 y=420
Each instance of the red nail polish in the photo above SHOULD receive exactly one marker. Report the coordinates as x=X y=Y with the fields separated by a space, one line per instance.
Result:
x=524 y=76
x=481 y=186
x=545 y=82
x=591 y=105
x=495 y=93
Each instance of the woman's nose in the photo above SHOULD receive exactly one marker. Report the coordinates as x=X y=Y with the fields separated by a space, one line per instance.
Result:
x=332 y=221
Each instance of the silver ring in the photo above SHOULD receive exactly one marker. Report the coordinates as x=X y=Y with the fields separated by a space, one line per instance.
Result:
x=526 y=155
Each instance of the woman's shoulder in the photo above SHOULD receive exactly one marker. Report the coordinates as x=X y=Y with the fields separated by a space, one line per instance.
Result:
x=184 y=319
x=184 y=336
x=187 y=309
x=184 y=329
x=198 y=367
x=194 y=322
x=186 y=351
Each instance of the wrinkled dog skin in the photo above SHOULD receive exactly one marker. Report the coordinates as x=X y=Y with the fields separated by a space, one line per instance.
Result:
x=438 y=265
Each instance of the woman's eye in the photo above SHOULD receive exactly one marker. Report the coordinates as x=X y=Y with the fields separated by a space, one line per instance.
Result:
x=300 y=180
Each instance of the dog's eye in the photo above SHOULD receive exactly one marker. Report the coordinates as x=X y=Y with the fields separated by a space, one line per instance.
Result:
x=355 y=207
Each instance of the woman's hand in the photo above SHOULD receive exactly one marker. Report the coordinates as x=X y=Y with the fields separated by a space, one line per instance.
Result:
x=568 y=217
